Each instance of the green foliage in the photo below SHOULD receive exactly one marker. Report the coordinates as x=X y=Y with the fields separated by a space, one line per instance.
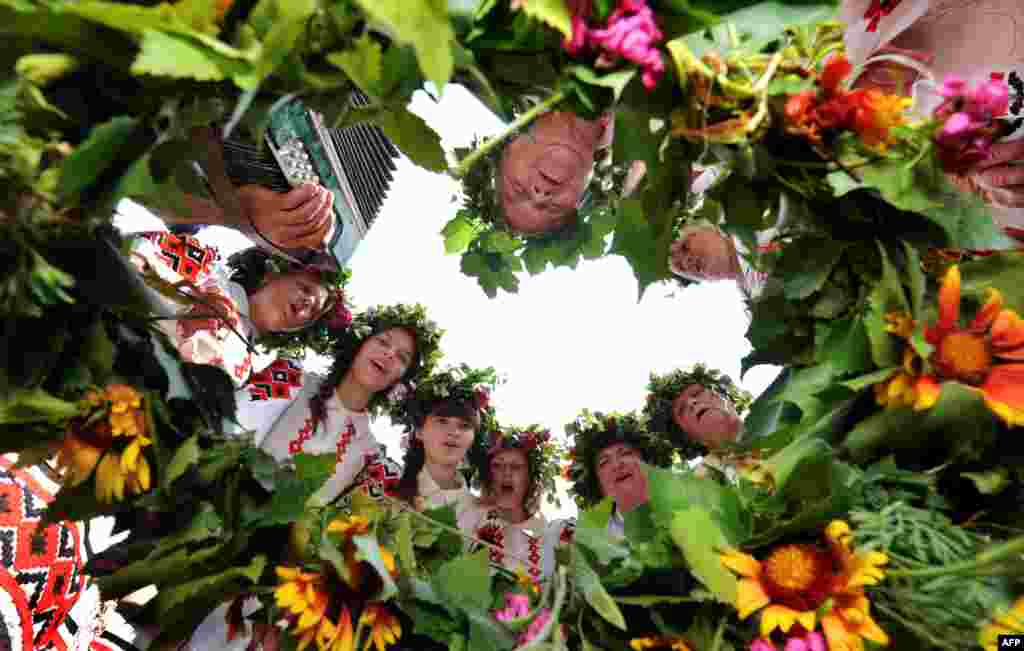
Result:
x=422 y=24
x=292 y=491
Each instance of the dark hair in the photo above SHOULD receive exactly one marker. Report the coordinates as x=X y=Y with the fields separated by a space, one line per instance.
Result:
x=416 y=456
x=249 y=268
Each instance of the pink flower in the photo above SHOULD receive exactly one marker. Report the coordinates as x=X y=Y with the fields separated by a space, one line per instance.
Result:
x=535 y=627
x=952 y=86
x=762 y=645
x=956 y=125
x=631 y=33
x=517 y=606
x=991 y=99
x=340 y=317
x=579 y=11
x=481 y=399
x=812 y=641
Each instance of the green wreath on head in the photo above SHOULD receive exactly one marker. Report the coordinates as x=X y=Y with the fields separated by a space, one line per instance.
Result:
x=379 y=318
x=411 y=404
x=492 y=252
x=591 y=432
x=249 y=268
x=663 y=389
x=543 y=454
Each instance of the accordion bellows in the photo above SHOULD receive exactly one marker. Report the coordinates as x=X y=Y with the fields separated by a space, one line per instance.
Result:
x=356 y=161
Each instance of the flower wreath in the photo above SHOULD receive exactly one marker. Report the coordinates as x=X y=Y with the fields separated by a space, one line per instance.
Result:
x=663 y=390
x=590 y=427
x=409 y=405
x=250 y=266
x=543 y=455
x=378 y=319
x=492 y=251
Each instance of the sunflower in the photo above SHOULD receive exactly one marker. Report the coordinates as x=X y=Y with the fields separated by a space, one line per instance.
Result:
x=1008 y=623
x=796 y=582
x=987 y=354
x=302 y=594
x=385 y=628
x=118 y=473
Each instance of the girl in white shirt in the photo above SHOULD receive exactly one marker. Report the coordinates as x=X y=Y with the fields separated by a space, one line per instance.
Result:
x=515 y=470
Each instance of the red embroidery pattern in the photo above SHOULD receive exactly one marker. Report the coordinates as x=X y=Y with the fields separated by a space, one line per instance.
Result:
x=242 y=370
x=296 y=444
x=186 y=255
x=878 y=10
x=346 y=438
x=275 y=381
x=494 y=533
x=533 y=555
x=380 y=476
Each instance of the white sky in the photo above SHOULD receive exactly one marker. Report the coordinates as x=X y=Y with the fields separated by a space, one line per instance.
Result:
x=567 y=340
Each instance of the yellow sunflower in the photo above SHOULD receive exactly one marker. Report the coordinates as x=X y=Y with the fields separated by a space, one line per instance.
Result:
x=658 y=643
x=796 y=581
x=302 y=594
x=119 y=473
x=1008 y=623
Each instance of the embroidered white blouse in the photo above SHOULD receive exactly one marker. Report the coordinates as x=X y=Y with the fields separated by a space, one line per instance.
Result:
x=196 y=268
x=521 y=544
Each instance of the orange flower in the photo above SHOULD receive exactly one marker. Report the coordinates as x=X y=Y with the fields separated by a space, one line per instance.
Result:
x=1010 y=622
x=658 y=644
x=987 y=354
x=385 y=628
x=833 y=74
x=797 y=581
x=302 y=594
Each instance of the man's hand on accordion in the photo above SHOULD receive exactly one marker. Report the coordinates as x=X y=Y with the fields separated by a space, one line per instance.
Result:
x=299 y=219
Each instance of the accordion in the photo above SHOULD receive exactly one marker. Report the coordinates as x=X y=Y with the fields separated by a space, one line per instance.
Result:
x=355 y=163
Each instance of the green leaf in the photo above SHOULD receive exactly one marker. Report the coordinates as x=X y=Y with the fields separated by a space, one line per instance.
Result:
x=458 y=233
x=535 y=258
x=596 y=540
x=645 y=249
x=291 y=18
x=364 y=63
x=205 y=525
x=759 y=24
x=165 y=570
x=916 y=280
x=672 y=492
x=701 y=540
x=187 y=604
x=806 y=383
x=590 y=585
x=871 y=379
x=178 y=57
x=369 y=551
x=414 y=137
x=23 y=406
x=501 y=242
x=655 y=600
x=186 y=456
x=553 y=13
x=424 y=25
x=888 y=296
x=91 y=158
x=465 y=582
x=292 y=493
x=633 y=139
x=847 y=348
x=991 y=482
x=1003 y=271
x=960 y=420
x=616 y=81
x=807 y=263
x=742 y=205
x=802 y=469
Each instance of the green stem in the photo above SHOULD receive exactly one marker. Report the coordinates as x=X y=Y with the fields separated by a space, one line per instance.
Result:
x=988 y=557
x=526 y=118
x=769 y=72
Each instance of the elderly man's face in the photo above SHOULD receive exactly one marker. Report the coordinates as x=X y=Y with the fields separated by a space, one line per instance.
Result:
x=705 y=416
x=544 y=172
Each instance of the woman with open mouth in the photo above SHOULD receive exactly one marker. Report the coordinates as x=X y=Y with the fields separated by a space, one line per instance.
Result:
x=698 y=409
x=515 y=470
x=443 y=417
x=220 y=312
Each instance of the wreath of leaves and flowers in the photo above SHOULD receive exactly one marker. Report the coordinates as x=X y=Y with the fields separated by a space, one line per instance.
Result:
x=410 y=405
x=379 y=318
x=492 y=252
x=250 y=266
x=592 y=428
x=543 y=454
x=663 y=390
